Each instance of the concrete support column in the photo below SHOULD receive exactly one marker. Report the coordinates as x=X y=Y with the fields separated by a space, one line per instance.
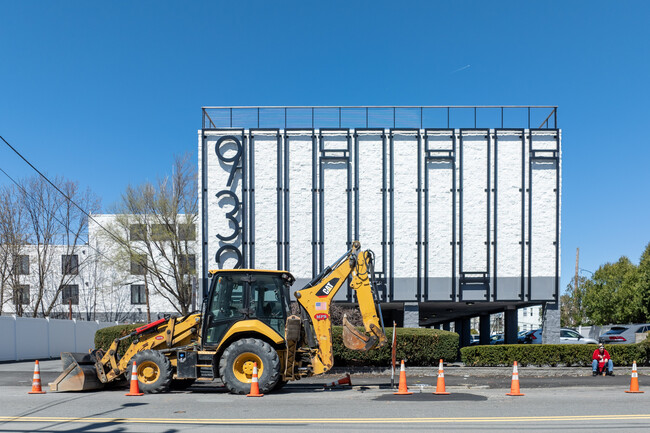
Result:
x=411 y=315
x=510 y=325
x=551 y=323
x=463 y=329
x=484 y=329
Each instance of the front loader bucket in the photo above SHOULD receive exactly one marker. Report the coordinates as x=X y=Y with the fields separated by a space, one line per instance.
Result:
x=355 y=340
x=79 y=373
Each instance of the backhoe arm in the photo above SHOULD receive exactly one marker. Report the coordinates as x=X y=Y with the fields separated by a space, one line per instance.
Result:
x=316 y=299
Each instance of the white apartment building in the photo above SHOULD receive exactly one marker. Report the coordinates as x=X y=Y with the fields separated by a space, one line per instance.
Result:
x=92 y=281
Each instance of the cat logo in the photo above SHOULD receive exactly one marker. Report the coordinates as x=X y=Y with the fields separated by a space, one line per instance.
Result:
x=325 y=290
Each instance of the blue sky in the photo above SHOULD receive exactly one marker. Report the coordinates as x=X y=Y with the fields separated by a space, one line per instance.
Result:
x=107 y=92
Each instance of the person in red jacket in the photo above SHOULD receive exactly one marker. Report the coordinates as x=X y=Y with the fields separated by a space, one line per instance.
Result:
x=601 y=360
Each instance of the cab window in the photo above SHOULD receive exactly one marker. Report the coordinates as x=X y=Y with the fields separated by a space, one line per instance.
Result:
x=226 y=306
x=266 y=301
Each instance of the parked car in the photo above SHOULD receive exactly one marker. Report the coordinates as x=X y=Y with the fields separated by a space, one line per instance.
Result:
x=474 y=340
x=567 y=336
x=571 y=336
x=623 y=334
x=521 y=337
x=496 y=339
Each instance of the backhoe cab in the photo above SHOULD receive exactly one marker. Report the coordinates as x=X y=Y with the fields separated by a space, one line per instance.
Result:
x=246 y=320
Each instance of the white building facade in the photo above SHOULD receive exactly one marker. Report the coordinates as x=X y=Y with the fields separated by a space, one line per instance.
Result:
x=464 y=221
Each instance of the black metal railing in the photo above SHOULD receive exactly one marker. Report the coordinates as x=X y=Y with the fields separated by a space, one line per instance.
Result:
x=431 y=116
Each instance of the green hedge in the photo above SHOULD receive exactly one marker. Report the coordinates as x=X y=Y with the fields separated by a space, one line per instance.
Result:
x=550 y=354
x=105 y=336
x=418 y=347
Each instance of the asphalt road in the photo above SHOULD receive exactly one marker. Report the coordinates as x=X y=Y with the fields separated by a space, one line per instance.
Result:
x=580 y=403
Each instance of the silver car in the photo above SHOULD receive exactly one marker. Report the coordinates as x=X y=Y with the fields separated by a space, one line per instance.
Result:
x=567 y=336
x=623 y=334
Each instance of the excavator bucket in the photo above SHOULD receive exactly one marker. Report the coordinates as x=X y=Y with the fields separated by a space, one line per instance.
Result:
x=79 y=373
x=355 y=340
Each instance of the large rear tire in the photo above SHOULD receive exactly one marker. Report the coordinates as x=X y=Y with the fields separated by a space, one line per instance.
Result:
x=236 y=366
x=154 y=371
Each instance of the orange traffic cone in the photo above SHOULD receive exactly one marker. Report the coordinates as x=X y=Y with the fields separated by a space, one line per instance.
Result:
x=440 y=386
x=514 y=387
x=403 y=388
x=344 y=381
x=36 y=382
x=135 y=388
x=634 y=382
x=255 y=387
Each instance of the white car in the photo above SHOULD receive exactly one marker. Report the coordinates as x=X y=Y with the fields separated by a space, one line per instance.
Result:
x=567 y=336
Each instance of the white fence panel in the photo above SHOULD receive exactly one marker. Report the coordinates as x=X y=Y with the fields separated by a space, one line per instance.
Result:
x=28 y=338
x=7 y=338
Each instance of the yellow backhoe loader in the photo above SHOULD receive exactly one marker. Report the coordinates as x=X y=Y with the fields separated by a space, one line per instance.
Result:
x=245 y=319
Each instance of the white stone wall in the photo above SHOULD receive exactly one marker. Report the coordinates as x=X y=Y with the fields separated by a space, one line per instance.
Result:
x=495 y=168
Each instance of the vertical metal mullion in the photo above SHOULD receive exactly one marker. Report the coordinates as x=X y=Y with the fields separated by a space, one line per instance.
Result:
x=392 y=213
x=419 y=243
x=314 y=205
x=245 y=195
x=204 y=212
x=487 y=219
x=384 y=214
x=287 y=225
x=496 y=201
x=349 y=188
x=454 y=192
x=251 y=215
x=523 y=212
x=321 y=211
x=530 y=210
x=278 y=141
x=426 y=217
x=460 y=207
x=356 y=186
x=557 y=215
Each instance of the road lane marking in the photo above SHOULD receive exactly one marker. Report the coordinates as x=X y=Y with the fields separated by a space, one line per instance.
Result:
x=244 y=421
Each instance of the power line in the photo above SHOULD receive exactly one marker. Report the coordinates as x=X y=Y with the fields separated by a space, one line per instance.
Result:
x=63 y=194
x=53 y=215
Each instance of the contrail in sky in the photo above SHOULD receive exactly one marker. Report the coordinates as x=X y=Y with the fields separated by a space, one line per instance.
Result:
x=461 y=69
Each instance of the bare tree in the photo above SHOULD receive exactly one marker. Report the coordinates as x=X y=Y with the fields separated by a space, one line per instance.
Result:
x=155 y=230
x=56 y=225
x=12 y=247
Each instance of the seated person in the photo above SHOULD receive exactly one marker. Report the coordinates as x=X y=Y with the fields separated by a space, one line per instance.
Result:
x=601 y=360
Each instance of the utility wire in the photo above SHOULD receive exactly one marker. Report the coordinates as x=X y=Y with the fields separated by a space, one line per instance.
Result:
x=53 y=215
x=64 y=194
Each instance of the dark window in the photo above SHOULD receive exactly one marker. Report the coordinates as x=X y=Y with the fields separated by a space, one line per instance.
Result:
x=21 y=265
x=615 y=331
x=70 y=293
x=138 y=232
x=70 y=264
x=161 y=232
x=138 y=264
x=21 y=295
x=187 y=263
x=187 y=232
x=138 y=295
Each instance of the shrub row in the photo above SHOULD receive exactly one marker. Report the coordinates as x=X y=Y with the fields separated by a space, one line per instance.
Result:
x=550 y=354
x=419 y=347
x=105 y=336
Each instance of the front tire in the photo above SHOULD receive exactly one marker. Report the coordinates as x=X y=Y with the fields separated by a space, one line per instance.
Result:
x=154 y=371
x=236 y=366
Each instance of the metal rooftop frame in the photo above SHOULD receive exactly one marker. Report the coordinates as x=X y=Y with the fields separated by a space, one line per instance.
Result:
x=381 y=116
